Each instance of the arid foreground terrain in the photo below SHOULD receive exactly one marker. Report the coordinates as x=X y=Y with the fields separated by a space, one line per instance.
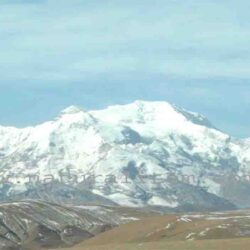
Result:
x=39 y=225
x=224 y=230
x=242 y=244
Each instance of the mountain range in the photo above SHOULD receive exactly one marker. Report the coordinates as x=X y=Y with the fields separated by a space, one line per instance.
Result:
x=143 y=154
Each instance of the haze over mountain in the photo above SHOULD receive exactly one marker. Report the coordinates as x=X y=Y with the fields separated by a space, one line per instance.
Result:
x=97 y=53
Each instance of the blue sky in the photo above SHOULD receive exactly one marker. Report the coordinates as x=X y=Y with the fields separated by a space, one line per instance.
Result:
x=95 y=53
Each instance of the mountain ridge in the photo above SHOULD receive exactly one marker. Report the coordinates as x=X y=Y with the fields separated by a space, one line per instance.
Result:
x=121 y=140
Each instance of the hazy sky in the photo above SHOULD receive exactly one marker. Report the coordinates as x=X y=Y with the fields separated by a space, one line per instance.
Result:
x=94 y=53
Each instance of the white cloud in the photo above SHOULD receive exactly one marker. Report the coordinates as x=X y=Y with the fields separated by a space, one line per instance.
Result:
x=82 y=39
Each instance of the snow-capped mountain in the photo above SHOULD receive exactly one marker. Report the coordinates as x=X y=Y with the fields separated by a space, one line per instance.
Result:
x=144 y=153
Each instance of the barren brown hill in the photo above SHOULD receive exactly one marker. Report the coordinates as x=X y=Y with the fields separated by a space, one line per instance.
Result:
x=229 y=230
x=232 y=244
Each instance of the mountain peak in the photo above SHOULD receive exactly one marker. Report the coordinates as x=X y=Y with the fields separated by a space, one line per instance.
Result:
x=157 y=137
x=143 y=103
x=72 y=110
x=163 y=114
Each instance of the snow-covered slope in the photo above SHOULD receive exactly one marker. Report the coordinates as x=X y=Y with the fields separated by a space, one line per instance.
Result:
x=144 y=153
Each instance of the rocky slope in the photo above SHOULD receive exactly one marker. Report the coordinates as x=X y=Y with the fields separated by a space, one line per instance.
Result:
x=44 y=225
x=34 y=224
x=140 y=154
